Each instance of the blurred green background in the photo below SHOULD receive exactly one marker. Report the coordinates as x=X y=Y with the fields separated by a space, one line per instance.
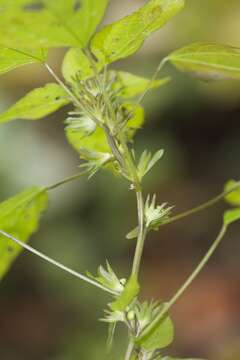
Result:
x=47 y=315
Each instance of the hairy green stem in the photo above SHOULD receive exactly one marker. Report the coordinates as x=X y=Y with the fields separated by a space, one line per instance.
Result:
x=141 y=235
x=201 y=207
x=66 y=180
x=152 y=326
x=129 y=351
x=159 y=68
x=56 y=263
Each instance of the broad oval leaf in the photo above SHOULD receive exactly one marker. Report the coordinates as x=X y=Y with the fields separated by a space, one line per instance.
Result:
x=160 y=338
x=124 y=37
x=19 y=217
x=76 y=64
x=11 y=58
x=130 y=85
x=230 y=216
x=37 y=104
x=49 y=23
x=233 y=198
x=129 y=293
x=208 y=61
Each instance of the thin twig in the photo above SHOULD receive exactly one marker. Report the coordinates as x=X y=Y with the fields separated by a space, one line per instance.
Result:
x=56 y=263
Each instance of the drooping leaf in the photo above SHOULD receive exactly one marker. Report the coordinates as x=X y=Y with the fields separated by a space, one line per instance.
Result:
x=161 y=337
x=76 y=64
x=130 y=85
x=11 y=59
x=49 y=23
x=208 y=61
x=19 y=217
x=233 y=197
x=37 y=104
x=129 y=293
x=124 y=37
x=230 y=216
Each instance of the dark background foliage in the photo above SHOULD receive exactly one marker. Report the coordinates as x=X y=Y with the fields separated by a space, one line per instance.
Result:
x=45 y=314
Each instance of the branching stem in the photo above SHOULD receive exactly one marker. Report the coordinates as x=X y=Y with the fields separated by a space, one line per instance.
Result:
x=66 y=180
x=201 y=207
x=56 y=263
x=152 y=326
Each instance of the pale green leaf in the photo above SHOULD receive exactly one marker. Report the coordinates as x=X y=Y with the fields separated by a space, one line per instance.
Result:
x=133 y=234
x=233 y=197
x=161 y=337
x=76 y=64
x=11 y=59
x=49 y=23
x=208 y=61
x=230 y=216
x=37 y=104
x=19 y=217
x=124 y=37
x=130 y=85
x=129 y=293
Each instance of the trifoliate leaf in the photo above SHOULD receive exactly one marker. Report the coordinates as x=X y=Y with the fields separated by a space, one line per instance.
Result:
x=49 y=23
x=19 y=217
x=11 y=59
x=124 y=37
x=208 y=61
x=37 y=104
x=129 y=293
x=230 y=216
x=147 y=161
x=129 y=85
x=233 y=198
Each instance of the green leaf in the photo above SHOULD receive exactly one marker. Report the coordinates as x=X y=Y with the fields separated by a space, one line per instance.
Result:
x=37 y=104
x=233 y=198
x=230 y=216
x=19 y=217
x=130 y=85
x=11 y=59
x=133 y=234
x=124 y=37
x=129 y=293
x=76 y=64
x=208 y=61
x=147 y=162
x=49 y=23
x=160 y=338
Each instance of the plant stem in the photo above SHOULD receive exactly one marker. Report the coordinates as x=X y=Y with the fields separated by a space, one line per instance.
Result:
x=159 y=68
x=56 y=263
x=201 y=207
x=141 y=235
x=66 y=180
x=152 y=326
x=61 y=83
x=129 y=351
